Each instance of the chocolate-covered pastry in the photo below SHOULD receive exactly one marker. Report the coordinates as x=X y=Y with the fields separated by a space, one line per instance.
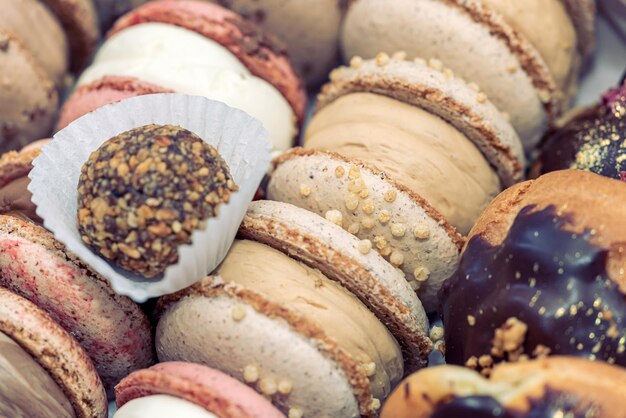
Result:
x=145 y=191
x=542 y=274
x=592 y=139
x=548 y=388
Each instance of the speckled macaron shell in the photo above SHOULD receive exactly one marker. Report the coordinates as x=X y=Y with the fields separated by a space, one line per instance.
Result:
x=583 y=15
x=80 y=21
x=238 y=330
x=261 y=53
x=209 y=388
x=56 y=351
x=112 y=328
x=470 y=38
x=324 y=246
x=29 y=98
x=435 y=89
x=14 y=164
x=517 y=386
x=320 y=182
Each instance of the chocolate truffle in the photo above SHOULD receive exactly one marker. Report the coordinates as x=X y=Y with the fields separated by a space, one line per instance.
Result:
x=593 y=139
x=542 y=274
x=144 y=192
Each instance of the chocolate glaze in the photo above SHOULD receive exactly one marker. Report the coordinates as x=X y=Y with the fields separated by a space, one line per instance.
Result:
x=547 y=406
x=593 y=140
x=552 y=280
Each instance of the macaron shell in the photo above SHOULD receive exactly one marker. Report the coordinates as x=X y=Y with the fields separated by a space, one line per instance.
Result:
x=310 y=180
x=209 y=388
x=280 y=343
x=56 y=351
x=505 y=65
x=440 y=94
x=80 y=22
x=14 y=164
x=310 y=28
x=263 y=55
x=106 y=90
x=112 y=328
x=325 y=246
x=30 y=98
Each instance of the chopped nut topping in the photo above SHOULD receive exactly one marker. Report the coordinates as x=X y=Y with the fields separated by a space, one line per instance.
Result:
x=356 y=62
x=481 y=98
x=268 y=386
x=352 y=201
x=368 y=206
x=398 y=230
x=382 y=59
x=238 y=313
x=436 y=333
x=384 y=216
x=354 y=228
x=368 y=222
x=305 y=190
x=340 y=171
x=421 y=274
x=365 y=246
x=335 y=217
x=285 y=387
x=390 y=195
x=421 y=231
x=397 y=258
x=354 y=173
x=375 y=404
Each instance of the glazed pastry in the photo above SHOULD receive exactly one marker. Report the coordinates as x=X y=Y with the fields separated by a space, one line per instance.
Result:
x=552 y=387
x=542 y=273
x=112 y=329
x=278 y=318
x=44 y=372
x=525 y=56
x=201 y=49
x=402 y=127
x=129 y=209
x=190 y=390
x=589 y=139
x=309 y=28
x=15 y=198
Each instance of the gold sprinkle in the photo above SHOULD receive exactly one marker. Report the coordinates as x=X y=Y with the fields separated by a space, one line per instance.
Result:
x=382 y=59
x=268 y=386
x=356 y=62
x=559 y=312
x=352 y=201
x=295 y=413
x=397 y=258
x=369 y=369
x=390 y=195
x=471 y=320
x=335 y=217
x=436 y=333
x=398 y=230
x=251 y=373
x=421 y=231
x=573 y=310
x=238 y=313
x=354 y=173
x=481 y=98
x=435 y=64
x=421 y=274
x=354 y=228
x=542 y=310
x=340 y=172
x=368 y=222
x=285 y=387
x=305 y=190
x=365 y=246
x=384 y=216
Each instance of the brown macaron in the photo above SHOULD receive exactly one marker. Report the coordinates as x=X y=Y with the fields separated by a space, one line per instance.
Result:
x=46 y=370
x=543 y=272
x=112 y=328
x=551 y=387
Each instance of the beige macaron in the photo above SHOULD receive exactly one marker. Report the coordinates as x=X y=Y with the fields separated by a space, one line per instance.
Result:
x=483 y=41
x=56 y=351
x=323 y=245
x=550 y=387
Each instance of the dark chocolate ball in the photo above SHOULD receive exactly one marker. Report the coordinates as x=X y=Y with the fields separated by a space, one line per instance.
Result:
x=144 y=192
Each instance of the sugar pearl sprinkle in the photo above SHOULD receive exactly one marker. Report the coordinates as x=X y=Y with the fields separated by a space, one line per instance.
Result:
x=268 y=386
x=285 y=387
x=251 y=373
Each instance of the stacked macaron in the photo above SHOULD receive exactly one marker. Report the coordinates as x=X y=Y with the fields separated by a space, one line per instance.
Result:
x=196 y=48
x=408 y=156
x=112 y=329
x=41 y=41
x=525 y=55
x=304 y=312
x=542 y=273
x=589 y=139
x=552 y=387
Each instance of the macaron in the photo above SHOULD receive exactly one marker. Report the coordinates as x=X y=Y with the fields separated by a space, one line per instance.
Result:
x=590 y=139
x=44 y=371
x=309 y=28
x=399 y=129
x=199 y=48
x=542 y=273
x=551 y=387
x=15 y=198
x=29 y=97
x=525 y=56
x=190 y=390
x=110 y=10
x=112 y=329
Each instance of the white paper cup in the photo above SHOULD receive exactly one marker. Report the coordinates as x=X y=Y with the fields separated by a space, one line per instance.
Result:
x=239 y=138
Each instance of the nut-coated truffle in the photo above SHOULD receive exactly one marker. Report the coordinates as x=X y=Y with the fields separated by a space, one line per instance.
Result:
x=144 y=192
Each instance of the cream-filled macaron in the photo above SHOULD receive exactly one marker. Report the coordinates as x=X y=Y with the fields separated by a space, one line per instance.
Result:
x=418 y=154
x=525 y=56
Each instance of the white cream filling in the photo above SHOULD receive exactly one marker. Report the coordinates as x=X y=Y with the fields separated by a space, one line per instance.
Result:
x=162 y=406
x=186 y=62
